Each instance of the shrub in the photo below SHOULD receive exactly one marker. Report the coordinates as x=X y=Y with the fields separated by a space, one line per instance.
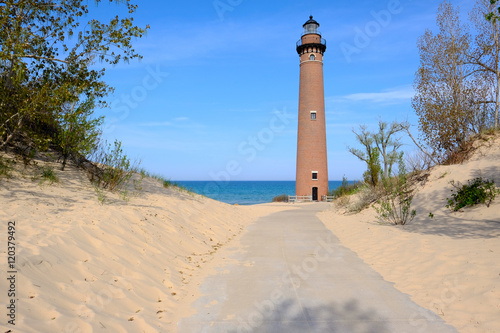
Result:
x=26 y=153
x=395 y=205
x=101 y=196
x=367 y=196
x=48 y=174
x=79 y=131
x=5 y=168
x=111 y=168
x=182 y=188
x=138 y=182
x=281 y=198
x=461 y=153
x=346 y=188
x=476 y=191
x=167 y=183
x=343 y=201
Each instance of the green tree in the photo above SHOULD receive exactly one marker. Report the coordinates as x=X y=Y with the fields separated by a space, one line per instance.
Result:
x=372 y=173
x=370 y=155
x=78 y=132
x=47 y=57
x=388 y=145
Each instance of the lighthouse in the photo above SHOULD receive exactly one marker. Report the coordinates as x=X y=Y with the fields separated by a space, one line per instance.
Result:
x=312 y=167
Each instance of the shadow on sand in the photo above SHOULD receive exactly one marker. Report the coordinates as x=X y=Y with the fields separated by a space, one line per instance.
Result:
x=477 y=222
x=457 y=227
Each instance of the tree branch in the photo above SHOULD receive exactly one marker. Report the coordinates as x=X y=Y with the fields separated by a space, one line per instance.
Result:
x=5 y=122
x=9 y=137
x=475 y=71
x=476 y=61
x=407 y=130
x=40 y=57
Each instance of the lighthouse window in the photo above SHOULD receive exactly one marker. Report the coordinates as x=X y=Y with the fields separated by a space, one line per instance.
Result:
x=315 y=175
x=312 y=57
x=313 y=115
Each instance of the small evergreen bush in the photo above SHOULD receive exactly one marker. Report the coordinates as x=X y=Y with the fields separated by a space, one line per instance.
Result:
x=476 y=191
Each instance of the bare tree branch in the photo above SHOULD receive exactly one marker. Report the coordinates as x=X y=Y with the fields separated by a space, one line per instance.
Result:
x=406 y=128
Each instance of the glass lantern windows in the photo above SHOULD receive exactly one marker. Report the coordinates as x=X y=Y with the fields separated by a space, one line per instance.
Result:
x=311 y=28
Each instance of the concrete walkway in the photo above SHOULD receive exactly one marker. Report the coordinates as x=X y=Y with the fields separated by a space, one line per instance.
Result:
x=292 y=275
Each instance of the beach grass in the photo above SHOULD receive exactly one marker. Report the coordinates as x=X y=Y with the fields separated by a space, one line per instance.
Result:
x=281 y=198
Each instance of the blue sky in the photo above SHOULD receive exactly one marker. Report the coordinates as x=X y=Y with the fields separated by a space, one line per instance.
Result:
x=216 y=95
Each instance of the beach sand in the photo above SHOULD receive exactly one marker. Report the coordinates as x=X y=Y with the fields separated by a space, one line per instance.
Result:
x=121 y=266
x=449 y=263
x=135 y=265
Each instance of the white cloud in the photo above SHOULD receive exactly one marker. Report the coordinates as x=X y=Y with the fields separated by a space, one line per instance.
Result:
x=390 y=96
x=156 y=124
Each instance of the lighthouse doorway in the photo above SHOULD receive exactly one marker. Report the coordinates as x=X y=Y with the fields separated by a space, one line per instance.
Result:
x=315 y=194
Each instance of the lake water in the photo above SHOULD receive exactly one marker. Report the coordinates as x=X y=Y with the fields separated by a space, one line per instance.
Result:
x=245 y=192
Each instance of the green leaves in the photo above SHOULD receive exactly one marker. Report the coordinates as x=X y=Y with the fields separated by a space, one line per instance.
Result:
x=42 y=68
x=476 y=191
x=346 y=188
x=395 y=204
x=369 y=155
x=112 y=169
x=494 y=15
x=78 y=131
x=379 y=145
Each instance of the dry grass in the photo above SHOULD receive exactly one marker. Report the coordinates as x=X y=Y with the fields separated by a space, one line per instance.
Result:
x=364 y=198
x=281 y=198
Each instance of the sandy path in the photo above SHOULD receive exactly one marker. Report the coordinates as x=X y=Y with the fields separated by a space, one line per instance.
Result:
x=289 y=273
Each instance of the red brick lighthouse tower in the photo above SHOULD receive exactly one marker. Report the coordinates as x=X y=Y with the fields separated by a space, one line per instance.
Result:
x=312 y=168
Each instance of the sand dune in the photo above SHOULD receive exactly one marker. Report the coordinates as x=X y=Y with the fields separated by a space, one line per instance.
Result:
x=121 y=266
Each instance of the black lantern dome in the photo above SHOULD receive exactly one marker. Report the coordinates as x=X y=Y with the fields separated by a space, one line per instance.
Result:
x=307 y=43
